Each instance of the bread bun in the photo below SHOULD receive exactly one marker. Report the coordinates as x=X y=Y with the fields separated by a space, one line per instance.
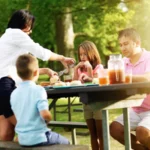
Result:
x=60 y=83
x=54 y=79
x=67 y=83
x=75 y=82
x=95 y=81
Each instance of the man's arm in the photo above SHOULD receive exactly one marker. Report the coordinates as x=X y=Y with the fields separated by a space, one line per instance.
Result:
x=141 y=78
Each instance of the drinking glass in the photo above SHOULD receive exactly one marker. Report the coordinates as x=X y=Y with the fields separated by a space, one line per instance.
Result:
x=67 y=78
x=103 y=77
x=128 y=75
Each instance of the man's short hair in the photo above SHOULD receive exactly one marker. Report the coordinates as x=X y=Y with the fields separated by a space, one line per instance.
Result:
x=131 y=33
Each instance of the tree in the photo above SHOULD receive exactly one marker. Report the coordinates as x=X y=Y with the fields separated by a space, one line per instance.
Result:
x=140 y=20
x=62 y=25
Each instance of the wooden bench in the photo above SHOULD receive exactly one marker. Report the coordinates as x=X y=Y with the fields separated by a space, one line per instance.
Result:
x=70 y=125
x=16 y=146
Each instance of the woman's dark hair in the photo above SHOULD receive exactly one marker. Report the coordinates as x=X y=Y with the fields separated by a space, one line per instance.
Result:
x=21 y=19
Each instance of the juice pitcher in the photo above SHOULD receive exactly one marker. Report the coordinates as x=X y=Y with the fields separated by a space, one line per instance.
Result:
x=116 y=71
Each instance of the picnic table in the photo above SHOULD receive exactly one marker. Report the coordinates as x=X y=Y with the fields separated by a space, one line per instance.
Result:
x=106 y=97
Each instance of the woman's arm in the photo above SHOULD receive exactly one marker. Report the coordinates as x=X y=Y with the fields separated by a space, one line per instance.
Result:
x=66 y=61
x=47 y=71
x=22 y=40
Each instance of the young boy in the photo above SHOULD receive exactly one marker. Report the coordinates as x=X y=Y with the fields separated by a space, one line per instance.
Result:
x=30 y=106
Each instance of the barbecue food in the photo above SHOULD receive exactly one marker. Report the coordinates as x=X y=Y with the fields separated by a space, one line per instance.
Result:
x=44 y=83
x=75 y=82
x=60 y=83
x=54 y=80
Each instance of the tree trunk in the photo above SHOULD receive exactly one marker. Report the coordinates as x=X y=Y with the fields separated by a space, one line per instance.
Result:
x=65 y=34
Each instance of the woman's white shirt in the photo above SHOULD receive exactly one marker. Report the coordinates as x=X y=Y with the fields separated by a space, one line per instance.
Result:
x=13 y=43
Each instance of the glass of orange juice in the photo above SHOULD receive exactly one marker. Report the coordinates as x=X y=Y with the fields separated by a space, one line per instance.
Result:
x=128 y=75
x=68 y=78
x=103 y=77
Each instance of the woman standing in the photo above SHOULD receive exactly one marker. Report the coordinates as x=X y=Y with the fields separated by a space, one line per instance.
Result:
x=13 y=43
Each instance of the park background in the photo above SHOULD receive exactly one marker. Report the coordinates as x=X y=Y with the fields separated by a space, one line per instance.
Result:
x=61 y=25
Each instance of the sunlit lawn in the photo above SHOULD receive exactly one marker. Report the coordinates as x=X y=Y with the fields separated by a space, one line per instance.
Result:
x=78 y=116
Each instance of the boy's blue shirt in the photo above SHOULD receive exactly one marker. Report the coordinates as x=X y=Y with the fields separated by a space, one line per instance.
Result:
x=27 y=100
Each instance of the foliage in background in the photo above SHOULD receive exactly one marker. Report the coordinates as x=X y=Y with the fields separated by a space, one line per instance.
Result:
x=95 y=20
x=102 y=29
x=141 y=21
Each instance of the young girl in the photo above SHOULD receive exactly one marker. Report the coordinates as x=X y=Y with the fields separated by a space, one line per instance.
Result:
x=89 y=67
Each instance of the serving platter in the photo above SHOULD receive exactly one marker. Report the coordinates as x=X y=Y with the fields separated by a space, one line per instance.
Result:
x=91 y=84
x=48 y=87
x=68 y=86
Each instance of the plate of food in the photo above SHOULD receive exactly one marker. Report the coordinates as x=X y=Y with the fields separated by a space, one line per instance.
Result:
x=61 y=87
x=72 y=84
x=48 y=87
x=91 y=84
x=45 y=83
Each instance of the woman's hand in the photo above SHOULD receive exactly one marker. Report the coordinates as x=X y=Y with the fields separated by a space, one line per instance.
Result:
x=67 y=61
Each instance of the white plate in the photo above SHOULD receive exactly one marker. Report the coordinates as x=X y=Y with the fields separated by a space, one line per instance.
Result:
x=69 y=86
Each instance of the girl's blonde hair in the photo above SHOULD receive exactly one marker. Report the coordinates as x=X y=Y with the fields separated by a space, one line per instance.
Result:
x=91 y=51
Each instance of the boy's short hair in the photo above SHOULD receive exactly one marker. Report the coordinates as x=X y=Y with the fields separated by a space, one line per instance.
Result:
x=26 y=64
x=131 y=33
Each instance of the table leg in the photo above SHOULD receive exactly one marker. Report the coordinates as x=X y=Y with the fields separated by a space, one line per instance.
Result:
x=126 y=129
x=105 y=124
x=69 y=109
x=53 y=105
x=54 y=110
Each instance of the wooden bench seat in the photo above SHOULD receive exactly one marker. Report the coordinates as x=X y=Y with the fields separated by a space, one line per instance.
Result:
x=70 y=125
x=16 y=146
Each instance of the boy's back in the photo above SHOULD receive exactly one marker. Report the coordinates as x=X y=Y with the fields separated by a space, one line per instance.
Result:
x=27 y=101
x=30 y=106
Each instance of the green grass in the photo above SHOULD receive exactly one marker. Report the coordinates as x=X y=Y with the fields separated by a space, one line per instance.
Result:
x=78 y=116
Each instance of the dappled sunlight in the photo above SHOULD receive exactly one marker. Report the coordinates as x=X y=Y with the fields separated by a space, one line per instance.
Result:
x=83 y=139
